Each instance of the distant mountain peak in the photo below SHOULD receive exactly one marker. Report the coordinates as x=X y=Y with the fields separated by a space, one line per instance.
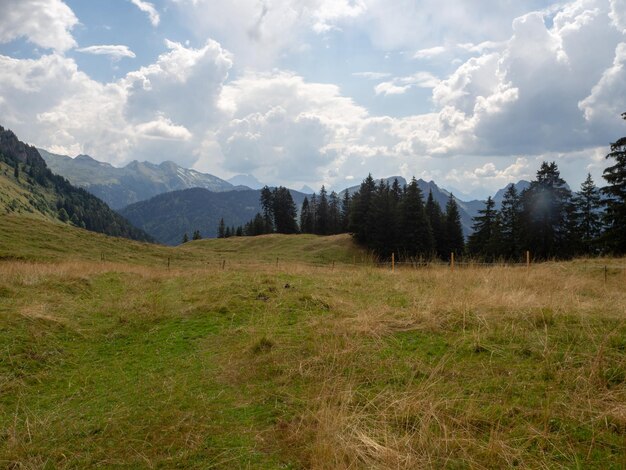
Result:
x=248 y=180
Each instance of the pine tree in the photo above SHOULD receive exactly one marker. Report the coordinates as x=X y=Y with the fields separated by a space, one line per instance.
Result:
x=416 y=237
x=334 y=214
x=306 y=218
x=482 y=242
x=63 y=216
x=345 y=212
x=588 y=205
x=453 y=230
x=384 y=236
x=185 y=238
x=510 y=213
x=227 y=233
x=322 y=214
x=435 y=218
x=545 y=214
x=361 y=218
x=221 y=229
x=16 y=171
x=196 y=235
x=615 y=217
x=284 y=210
x=267 y=204
x=239 y=232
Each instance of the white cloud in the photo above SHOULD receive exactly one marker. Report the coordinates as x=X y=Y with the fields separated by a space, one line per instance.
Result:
x=429 y=53
x=150 y=10
x=163 y=128
x=401 y=85
x=372 y=75
x=46 y=23
x=116 y=52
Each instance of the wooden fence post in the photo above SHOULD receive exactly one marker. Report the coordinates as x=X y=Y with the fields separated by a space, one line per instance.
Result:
x=223 y=264
x=168 y=263
x=393 y=262
x=527 y=259
x=452 y=261
x=605 y=273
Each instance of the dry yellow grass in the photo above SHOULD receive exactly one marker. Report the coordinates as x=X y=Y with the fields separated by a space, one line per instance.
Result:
x=298 y=366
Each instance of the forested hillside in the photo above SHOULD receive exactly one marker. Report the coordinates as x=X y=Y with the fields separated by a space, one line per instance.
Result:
x=29 y=187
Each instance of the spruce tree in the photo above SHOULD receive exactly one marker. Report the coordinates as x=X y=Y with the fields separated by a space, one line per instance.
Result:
x=615 y=192
x=221 y=229
x=322 y=213
x=227 y=233
x=361 y=217
x=545 y=214
x=345 y=212
x=16 y=171
x=435 y=218
x=482 y=242
x=284 y=211
x=334 y=214
x=196 y=235
x=588 y=206
x=306 y=218
x=416 y=236
x=185 y=238
x=453 y=230
x=510 y=213
x=267 y=204
x=384 y=237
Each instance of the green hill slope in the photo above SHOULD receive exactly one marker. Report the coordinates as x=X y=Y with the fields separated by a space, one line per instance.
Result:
x=28 y=187
x=25 y=238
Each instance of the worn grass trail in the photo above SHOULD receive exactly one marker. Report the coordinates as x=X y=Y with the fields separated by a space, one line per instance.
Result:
x=130 y=365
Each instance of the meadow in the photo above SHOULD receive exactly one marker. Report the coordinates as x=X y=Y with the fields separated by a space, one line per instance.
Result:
x=299 y=352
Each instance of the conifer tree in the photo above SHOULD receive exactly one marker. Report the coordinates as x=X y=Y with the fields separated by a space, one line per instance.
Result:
x=345 y=211
x=267 y=204
x=227 y=233
x=416 y=236
x=588 y=205
x=545 y=214
x=16 y=171
x=361 y=217
x=384 y=237
x=334 y=214
x=435 y=218
x=482 y=243
x=306 y=218
x=322 y=213
x=221 y=229
x=510 y=213
x=185 y=238
x=284 y=211
x=239 y=232
x=196 y=235
x=453 y=230
x=615 y=191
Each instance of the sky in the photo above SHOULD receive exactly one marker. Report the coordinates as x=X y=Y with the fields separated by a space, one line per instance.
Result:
x=473 y=95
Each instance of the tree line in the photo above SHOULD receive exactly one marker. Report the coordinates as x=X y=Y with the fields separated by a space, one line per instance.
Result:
x=547 y=218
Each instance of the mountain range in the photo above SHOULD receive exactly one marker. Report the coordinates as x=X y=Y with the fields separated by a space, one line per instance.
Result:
x=29 y=188
x=170 y=215
x=164 y=199
x=137 y=181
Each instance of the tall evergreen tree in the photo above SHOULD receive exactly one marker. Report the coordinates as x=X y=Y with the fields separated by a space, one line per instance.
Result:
x=384 y=221
x=453 y=230
x=510 y=236
x=545 y=214
x=196 y=235
x=482 y=243
x=361 y=216
x=588 y=206
x=416 y=236
x=306 y=218
x=185 y=238
x=284 y=210
x=615 y=192
x=345 y=211
x=221 y=229
x=322 y=213
x=267 y=204
x=313 y=209
x=334 y=214
x=435 y=218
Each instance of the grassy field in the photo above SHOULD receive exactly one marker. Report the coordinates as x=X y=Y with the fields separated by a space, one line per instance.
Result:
x=126 y=364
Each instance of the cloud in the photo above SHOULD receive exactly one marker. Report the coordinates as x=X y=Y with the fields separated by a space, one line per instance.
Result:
x=163 y=128
x=115 y=52
x=149 y=9
x=372 y=75
x=401 y=85
x=46 y=23
x=429 y=53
